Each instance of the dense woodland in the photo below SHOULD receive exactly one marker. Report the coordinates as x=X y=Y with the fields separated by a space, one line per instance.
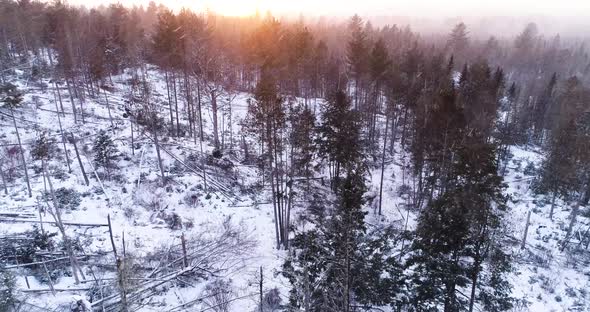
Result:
x=329 y=102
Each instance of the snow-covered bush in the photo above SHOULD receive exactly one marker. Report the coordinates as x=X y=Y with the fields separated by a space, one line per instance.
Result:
x=219 y=294
x=23 y=251
x=129 y=213
x=272 y=301
x=105 y=151
x=43 y=148
x=150 y=197
x=7 y=289
x=67 y=198
x=192 y=199
x=173 y=221
x=530 y=169
x=80 y=304
x=404 y=190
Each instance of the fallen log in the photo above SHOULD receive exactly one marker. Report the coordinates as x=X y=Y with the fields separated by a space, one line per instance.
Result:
x=51 y=222
x=114 y=299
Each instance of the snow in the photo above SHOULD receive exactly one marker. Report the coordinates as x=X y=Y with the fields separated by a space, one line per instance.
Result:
x=557 y=285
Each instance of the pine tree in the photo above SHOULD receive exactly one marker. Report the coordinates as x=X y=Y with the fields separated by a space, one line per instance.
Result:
x=543 y=109
x=105 y=151
x=302 y=139
x=461 y=219
x=338 y=265
x=12 y=98
x=459 y=42
x=357 y=55
x=339 y=136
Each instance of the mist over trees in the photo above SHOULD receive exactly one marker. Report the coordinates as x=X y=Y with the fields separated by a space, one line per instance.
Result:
x=332 y=106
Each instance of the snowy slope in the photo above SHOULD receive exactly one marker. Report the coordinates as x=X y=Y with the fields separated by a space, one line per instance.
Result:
x=544 y=278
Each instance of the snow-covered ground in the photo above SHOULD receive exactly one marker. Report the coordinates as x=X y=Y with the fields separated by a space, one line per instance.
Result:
x=544 y=278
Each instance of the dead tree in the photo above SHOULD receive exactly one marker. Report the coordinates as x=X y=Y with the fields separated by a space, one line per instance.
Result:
x=383 y=164
x=3 y=180
x=56 y=213
x=526 y=230
x=22 y=151
x=73 y=141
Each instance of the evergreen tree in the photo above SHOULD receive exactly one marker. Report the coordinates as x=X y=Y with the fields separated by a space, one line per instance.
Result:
x=302 y=139
x=458 y=42
x=105 y=151
x=357 y=55
x=338 y=265
x=543 y=108
x=339 y=136
x=459 y=223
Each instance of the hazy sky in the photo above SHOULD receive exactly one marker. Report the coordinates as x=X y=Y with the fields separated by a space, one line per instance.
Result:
x=426 y=8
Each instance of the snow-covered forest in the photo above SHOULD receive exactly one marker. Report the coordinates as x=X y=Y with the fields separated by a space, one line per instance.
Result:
x=159 y=160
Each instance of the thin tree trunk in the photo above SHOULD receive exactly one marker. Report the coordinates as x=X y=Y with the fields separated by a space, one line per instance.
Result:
x=132 y=139
x=383 y=163
x=261 y=290
x=274 y=194
x=79 y=160
x=200 y=110
x=184 y=256
x=188 y=102
x=57 y=216
x=169 y=101
x=3 y=180
x=63 y=137
x=122 y=284
x=61 y=105
x=22 y=153
x=214 y=111
x=573 y=218
x=526 y=231
x=552 y=206
x=175 y=104
x=80 y=97
x=106 y=98
x=49 y=279
x=72 y=100
x=158 y=153
x=111 y=236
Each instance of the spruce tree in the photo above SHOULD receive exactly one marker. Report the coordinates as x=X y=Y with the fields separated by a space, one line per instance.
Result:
x=357 y=55
x=339 y=136
x=105 y=151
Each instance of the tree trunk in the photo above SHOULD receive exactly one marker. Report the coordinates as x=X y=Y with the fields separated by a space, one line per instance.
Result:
x=552 y=205
x=526 y=231
x=200 y=110
x=79 y=160
x=169 y=101
x=22 y=153
x=277 y=216
x=61 y=105
x=383 y=163
x=188 y=102
x=122 y=284
x=3 y=180
x=63 y=140
x=132 y=138
x=573 y=218
x=58 y=221
x=72 y=100
x=214 y=112
x=106 y=98
x=175 y=104
x=155 y=133
x=261 y=290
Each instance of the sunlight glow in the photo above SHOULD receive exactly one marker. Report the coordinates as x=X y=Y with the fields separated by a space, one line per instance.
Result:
x=432 y=8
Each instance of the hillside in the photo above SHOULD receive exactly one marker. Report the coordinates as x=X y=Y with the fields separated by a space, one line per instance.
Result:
x=227 y=225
